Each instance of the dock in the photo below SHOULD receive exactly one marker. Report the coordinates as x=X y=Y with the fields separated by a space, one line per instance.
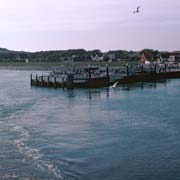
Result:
x=95 y=77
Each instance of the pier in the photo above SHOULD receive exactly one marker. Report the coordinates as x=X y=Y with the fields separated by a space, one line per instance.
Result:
x=97 y=77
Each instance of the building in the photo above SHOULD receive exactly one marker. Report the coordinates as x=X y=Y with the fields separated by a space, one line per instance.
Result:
x=171 y=59
x=96 y=58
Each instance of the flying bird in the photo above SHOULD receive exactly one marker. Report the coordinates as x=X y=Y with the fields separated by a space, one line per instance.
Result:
x=137 y=10
x=114 y=85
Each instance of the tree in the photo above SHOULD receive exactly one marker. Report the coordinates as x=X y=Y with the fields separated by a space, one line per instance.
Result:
x=150 y=54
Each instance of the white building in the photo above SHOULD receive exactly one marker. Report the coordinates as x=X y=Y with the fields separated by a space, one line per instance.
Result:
x=96 y=58
x=27 y=60
x=171 y=59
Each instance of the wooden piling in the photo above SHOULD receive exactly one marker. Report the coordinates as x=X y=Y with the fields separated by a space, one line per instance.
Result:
x=155 y=67
x=127 y=70
x=165 y=67
x=142 y=68
x=63 y=83
x=107 y=70
x=48 y=83
x=42 y=80
x=70 y=81
x=89 y=71
x=36 y=81
x=55 y=83
x=31 y=79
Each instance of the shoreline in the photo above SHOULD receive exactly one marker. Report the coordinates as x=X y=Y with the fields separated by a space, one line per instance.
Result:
x=49 y=66
x=27 y=68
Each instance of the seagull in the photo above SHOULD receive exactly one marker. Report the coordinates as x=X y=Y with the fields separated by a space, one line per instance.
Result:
x=114 y=85
x=137 y=10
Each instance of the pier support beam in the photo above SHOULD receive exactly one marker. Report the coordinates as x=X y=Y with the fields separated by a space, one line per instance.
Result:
x=142 y=68
x=155 y=67
x=55 y=83
x=42 y=80
x=31 y=79
x=165 y=68
x=107 y=75
x=127 y=70
x=48 y=83
x=107 y=70
x=63 y=82
x=70 y=81
x=36 y=83
x=89 y=71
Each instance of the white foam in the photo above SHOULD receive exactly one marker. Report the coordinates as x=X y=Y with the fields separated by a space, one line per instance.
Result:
x=34 y=154
x=28 y=152
x=47 y=165
x=8 y=176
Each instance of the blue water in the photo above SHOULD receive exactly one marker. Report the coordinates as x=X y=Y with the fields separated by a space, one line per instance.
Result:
x=128 y=133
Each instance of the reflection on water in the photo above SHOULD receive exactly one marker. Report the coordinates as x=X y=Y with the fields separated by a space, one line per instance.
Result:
x=96 y=93
x=142 y=85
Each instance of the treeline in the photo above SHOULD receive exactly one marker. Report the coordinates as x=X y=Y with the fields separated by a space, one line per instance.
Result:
x=75 y=55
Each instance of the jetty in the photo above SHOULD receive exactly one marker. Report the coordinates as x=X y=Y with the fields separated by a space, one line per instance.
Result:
x=97 y=77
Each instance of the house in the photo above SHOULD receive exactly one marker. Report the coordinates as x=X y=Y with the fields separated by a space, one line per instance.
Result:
x=96 y=58
x=171 y=59
x=177 y=58
x=27 y=60
x=144 y=59
x=111 y=57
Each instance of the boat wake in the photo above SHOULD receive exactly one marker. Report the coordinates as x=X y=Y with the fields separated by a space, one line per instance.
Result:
x=32 y=154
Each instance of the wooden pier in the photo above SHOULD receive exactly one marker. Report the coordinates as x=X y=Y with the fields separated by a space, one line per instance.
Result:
x=124 y=75
x=71 y=80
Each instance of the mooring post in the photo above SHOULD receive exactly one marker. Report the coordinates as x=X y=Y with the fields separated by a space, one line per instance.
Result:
x=107 y=70
x=31 y=79
x=142 y=68
x=42 y=80
x=36 y=83
x=70 y=81
x=89 y=70
x=107 y=75
x=155 y=66
x=55 y=85
x=127 y=70
x=62 y=81
x=48 y=84
x=165 y=67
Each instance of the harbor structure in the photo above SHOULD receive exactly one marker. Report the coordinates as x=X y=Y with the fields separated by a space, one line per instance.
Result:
x=97 y=77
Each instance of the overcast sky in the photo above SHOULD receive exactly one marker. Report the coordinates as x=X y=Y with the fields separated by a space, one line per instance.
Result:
x=34 y=25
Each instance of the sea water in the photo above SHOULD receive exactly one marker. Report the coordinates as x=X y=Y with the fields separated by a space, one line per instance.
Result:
x=130 y=132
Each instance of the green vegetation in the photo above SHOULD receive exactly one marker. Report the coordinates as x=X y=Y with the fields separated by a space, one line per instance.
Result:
x=45 y=65
x=75 y=56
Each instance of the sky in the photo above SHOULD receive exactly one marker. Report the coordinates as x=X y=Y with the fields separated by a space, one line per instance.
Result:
x=34 y=25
